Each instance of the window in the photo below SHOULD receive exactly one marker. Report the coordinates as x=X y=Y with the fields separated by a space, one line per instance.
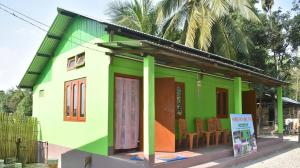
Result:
x=82 y=100
x=71 y=63
x=42 y=93
x=76 y=61
x=80 y=60
x=222 y=102
x=179 y=99
x=75 y=98
x=68 y=101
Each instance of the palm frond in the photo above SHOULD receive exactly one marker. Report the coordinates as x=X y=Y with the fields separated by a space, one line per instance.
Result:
x=192 y=26
x=136 y=14
x=243 y=8
x=172 y=23
x=205 y=24
x=229 y=39
x=221 y=41
x=167 y=7
x=218 y=7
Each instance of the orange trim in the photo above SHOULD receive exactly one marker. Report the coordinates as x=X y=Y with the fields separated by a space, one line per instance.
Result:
x=80 y=82
x=66 y=118
x=75 y=83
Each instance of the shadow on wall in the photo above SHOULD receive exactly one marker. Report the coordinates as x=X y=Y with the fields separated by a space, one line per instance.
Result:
x=78 y=158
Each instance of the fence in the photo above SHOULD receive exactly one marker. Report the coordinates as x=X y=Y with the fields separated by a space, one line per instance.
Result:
x=16 y=128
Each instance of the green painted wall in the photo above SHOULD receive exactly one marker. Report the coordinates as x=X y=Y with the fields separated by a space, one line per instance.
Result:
x=96 y=134
x=203 y=106
x=149 y=105
x=92 y=135
x=279 y=110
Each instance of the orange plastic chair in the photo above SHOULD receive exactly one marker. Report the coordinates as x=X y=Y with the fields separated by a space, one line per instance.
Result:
x=183 y=133
x=212 y=127
x=224 y=132
x=201 y=132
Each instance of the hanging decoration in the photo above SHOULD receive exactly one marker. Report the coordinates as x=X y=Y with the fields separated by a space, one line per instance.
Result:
x=199 y=83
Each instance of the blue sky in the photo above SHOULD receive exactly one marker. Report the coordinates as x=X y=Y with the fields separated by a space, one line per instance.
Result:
x=19 y=41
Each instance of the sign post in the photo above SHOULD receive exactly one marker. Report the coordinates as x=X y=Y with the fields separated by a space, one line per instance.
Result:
x=243 y=136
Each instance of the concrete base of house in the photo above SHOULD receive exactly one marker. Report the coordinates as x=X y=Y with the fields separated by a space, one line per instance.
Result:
x=76 y=158
x=217 y=157
x=110 y=150
x=149 y=161
x=262 y=152
x=280 y=135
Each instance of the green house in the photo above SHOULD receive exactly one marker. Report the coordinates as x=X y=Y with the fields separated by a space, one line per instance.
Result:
x=100 y=89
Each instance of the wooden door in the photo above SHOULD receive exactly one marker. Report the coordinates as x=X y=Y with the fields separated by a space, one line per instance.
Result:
x=249 y=106
x=165 y=115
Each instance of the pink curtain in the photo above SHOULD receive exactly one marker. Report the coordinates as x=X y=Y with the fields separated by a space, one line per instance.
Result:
x=127 y=113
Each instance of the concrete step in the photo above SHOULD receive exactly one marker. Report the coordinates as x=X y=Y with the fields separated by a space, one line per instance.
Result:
x=196 y=160
x=209 y=159
x=268 y=142
x=230 y=161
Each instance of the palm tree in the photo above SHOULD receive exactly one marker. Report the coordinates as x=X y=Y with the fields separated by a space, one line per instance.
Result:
x=205 y=24
x=208 y=22
x=228 y=39
x=139 y=15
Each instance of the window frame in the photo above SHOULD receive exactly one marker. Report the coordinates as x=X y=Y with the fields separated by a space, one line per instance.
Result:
x=222 y=114
x=76 y=63
x=71 y=84
x=182 y=86
x=69 y=59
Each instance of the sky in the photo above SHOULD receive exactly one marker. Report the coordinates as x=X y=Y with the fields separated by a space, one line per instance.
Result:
x=19 y=41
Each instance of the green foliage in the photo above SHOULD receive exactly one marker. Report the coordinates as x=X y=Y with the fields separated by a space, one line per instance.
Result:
x=16 y=100
x=2 y=99
x=230 y=28
x=25 y=105
x=294 y=29
x=207 y=25
x=267 y=5
x=139 y=15
x=270 y=51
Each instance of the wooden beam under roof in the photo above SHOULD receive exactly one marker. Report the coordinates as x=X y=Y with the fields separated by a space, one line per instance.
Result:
x=43 y=55
x=33 y=73
x=53 y=37
x=183 y=58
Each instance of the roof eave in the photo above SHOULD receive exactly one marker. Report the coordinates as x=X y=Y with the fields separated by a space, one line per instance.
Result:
x=52 y=37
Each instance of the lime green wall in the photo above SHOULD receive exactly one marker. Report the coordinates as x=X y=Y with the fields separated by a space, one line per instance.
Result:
x=203 y=106
x=237 y=92
x=149 y=105
x=96 y=134
x=92 y=135
x=279 y=110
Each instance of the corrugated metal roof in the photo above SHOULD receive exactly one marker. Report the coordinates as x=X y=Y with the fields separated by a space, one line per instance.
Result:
x=63 y=20
x=46 y=50
x=189 y=60
x=290 y=101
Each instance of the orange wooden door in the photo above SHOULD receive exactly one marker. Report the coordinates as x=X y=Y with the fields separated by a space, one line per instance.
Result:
x=165 y=115
x=249 y=106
